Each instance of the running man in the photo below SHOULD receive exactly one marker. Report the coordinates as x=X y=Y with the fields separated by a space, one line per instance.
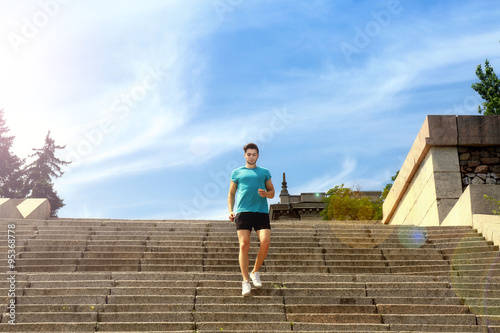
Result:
x=254 y=187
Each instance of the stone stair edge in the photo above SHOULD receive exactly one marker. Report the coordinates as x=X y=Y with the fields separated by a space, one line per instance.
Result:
x=217 y=221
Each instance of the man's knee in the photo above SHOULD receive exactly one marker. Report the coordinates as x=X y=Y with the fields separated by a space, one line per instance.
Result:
x=265 y=243
x=244 y=245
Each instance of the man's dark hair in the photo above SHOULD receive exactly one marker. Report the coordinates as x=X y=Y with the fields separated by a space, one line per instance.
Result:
x=251 y=146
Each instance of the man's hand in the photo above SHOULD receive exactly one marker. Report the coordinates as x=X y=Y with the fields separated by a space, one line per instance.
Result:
x=231 y=216
x=262 y=193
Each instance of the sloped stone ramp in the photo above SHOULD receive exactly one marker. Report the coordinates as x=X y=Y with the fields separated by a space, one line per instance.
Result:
x=77 y=275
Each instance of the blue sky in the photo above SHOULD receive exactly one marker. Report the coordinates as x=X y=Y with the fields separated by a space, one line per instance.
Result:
x=154 y=100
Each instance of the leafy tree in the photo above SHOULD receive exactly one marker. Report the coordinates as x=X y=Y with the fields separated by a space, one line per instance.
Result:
x=379 y=214
x=489 y=89
x=387 y=188
x=11 y=174
x=41 y=171
x=347 y=204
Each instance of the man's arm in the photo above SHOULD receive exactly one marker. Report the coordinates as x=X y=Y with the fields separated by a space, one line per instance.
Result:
x=230 y=199
x=269 y=192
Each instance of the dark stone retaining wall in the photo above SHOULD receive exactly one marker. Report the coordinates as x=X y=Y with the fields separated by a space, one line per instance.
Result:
x=479 y=165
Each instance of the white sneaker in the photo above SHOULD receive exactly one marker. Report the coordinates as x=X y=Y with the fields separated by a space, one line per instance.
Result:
x=256 y=280
x=246 y=287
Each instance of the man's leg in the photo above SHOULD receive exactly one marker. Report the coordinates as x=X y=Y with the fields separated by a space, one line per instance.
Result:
x=265 y=241
x=244 y=239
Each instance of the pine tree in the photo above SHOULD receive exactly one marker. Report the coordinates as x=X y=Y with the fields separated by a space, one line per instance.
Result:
x=42 y=171
x=11 y=174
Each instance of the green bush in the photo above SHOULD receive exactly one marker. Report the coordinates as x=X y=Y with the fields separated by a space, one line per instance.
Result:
x=346 y=204
x=496 y=202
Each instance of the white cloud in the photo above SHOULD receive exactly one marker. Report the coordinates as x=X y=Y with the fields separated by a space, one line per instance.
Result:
x=327 y=181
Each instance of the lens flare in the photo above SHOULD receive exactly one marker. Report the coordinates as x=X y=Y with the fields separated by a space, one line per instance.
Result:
x=474 y=277
x=412 y=237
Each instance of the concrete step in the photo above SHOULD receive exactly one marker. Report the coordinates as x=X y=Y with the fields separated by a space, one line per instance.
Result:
x=353 y=318
x=150 y=299
x=339 y=327
x=478 y=255
x=468 y=250
x=443 y=267
x=160 y=326
x=410 y=292
x=67 y=291
x=248 y=326
x=146 y=317
x=239 y=317
x=430 y=319
x=333 y=308
x=257 y=300
x=421 y=309
x=48 y=255
x=48 y=327
x=54 y=317
x=402 y=263
x=359 y=263
x=61 y=300
x=419 y=300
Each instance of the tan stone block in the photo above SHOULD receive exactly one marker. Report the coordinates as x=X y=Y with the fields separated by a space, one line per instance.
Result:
x=399 y=216
x=442 y=130
x=444 y=207
x=411 y=217
x=478 y=130
x=445 y=159
x=479 y=205
x=414 y=216
x=488 y=225
x=425 y=199
x=4 y=207
x=448 y=185
x=8 y=209
x=428 y=193
x=431 y=217
x=38 y=209
x=422 y=177
x=472 y=202
x=461 y=213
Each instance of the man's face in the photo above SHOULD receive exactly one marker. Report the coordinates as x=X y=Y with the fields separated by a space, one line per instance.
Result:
x=251 y=156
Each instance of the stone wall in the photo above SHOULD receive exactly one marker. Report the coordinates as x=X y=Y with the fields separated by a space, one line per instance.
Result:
x=33 y=208
x=479 y=165
x=433 y=191
x=472 y=202
x=424 y=192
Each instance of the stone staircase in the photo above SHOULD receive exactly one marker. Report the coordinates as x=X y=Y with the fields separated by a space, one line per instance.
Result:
x=77 y=275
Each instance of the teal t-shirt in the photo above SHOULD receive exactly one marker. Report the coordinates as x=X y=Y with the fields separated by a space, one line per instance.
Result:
x=249 y=181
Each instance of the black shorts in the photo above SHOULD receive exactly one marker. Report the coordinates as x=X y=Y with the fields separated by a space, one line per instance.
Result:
x=249 y=220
